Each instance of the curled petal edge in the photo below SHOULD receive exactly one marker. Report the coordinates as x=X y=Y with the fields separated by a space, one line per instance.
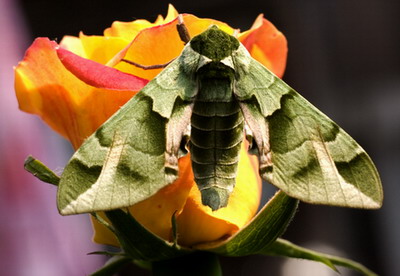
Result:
x=98 y=75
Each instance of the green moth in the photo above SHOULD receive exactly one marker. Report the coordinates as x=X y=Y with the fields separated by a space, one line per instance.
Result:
x=205 y=101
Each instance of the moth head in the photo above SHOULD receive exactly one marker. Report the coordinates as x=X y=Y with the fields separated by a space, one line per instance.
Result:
x=214 y=44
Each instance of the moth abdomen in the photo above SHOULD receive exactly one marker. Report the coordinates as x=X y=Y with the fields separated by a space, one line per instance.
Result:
x=215 y=143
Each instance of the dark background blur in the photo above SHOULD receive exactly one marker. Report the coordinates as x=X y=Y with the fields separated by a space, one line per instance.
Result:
x=343 y=57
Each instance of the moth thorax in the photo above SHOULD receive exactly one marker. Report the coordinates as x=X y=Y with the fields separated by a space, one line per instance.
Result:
x=214 y=44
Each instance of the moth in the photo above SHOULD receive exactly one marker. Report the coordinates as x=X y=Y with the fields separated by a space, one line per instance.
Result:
x=206 y=101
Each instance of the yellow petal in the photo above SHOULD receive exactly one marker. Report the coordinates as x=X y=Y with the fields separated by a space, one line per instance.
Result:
x=171 y=15
x=101 y=49
x=73 y=44
x=129 y=30
x=266 y=44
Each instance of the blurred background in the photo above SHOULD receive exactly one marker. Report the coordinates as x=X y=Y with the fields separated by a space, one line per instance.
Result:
x=343 y=57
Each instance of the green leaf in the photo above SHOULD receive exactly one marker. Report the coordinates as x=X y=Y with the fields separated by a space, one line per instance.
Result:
x=263 y=230
x=196 y=264
x=112 y=266
x=139 y=243
x=39 y=170
x=285 y=248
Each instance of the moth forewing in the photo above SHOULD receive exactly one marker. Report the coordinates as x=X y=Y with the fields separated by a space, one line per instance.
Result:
x=88 y=184
x=111 y=168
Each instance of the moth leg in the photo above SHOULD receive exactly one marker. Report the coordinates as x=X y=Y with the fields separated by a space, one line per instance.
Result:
x=252 y=149
x=176 y=133
x=184 y=148
x=257 y=130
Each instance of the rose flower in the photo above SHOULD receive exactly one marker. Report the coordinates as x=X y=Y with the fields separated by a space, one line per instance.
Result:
x=76 y=104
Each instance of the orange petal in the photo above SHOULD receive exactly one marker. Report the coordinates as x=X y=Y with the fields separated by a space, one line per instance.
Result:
x=198 y=224
x=40 y=85
x=127 y=30
x=160 y=44
x=266 y=44
x=96 y=108
x=69 y=106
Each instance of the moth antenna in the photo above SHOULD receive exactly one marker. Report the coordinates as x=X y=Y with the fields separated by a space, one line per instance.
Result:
x=182 y=30
x=148 y=67
x=183 y=35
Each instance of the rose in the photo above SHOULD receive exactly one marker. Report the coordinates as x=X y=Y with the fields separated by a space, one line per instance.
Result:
x=75 y=105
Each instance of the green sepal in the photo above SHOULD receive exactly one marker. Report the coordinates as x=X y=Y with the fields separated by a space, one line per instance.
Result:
x=39 y=170
x=108 y=253
x=198 y=263
x=139 y=243
x=113 y=265
x=284 y=248
x=174 y=230
x=263 y=230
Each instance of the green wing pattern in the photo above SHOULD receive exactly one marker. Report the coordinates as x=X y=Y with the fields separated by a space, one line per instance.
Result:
x=301 y=150
x=124 y=161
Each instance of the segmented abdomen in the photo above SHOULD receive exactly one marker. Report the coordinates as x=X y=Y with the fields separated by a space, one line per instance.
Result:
x=215 y=140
